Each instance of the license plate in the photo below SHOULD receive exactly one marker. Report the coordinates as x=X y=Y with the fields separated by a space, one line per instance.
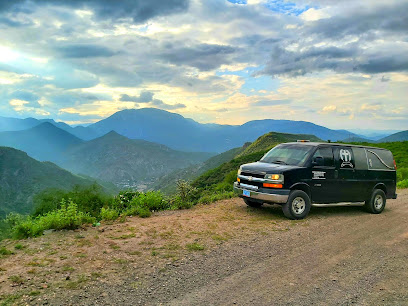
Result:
x=246 y=193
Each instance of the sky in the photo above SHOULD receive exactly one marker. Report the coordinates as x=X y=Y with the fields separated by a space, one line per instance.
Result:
x=342 y=64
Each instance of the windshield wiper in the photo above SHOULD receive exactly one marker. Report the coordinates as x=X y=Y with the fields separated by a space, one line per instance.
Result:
x=279 y=162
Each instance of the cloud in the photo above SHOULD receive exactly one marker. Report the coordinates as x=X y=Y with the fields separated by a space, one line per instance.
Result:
x=145 y=96
x=139 y=11
x=84 y=51
x=160 y=104
x=202 y=56
x=270 y=102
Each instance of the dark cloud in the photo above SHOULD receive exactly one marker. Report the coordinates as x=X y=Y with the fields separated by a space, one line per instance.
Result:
x=25 y=95
x=84 y=51
x=9 y=22
x=202 y=56
x=162 y=105
x=145 y=96
x=363 y=21
x=139 y=10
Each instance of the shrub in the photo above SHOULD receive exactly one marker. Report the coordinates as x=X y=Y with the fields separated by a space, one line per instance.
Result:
x=67 y=217
x=402 y=174
x=4 y=251
x=122 y=201
x=178 y=203
x=109 y=214
x=403 y=184
x=88 y=199
x=152 y=200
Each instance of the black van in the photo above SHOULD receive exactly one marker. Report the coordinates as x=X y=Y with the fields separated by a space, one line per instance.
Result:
x=300 y=174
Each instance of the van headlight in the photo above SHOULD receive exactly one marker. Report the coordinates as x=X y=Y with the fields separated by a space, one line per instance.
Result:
x=239 y=171
x=274 y=177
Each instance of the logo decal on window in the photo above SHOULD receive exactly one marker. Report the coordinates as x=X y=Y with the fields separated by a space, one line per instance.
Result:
x=345 y=156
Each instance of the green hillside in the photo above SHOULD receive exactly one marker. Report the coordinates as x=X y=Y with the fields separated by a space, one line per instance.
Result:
x=268 y=141
x=22 y=177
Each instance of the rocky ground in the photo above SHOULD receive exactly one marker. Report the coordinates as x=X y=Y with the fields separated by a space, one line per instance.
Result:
x=220 y=254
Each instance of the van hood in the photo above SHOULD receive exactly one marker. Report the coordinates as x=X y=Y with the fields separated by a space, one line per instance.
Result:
x=267 y=167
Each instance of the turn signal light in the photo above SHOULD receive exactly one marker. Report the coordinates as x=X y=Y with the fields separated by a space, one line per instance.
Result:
x=238 y=179
x=272 y=185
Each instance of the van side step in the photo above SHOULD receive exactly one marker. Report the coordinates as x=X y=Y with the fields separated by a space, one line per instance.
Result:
x=339 y=204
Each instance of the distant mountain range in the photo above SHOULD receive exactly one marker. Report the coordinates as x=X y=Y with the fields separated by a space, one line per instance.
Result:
x=179 y=133
x=21 y=177
x=400 y=136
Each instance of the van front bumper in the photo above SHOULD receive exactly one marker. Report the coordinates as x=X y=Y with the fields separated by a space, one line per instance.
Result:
x=279 y=196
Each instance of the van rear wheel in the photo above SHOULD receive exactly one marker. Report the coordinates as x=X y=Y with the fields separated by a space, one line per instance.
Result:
x=376 y=203
x=297 y=206
x=252 y=203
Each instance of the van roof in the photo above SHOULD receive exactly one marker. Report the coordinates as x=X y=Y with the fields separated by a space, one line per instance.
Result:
x=332 y=144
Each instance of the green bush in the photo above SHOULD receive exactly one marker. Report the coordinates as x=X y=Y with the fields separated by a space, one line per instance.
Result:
x=88 y=199
x=178 y=203
x=67 y=217
x=403 y=184
x=122 y=201
x=152 y=200
x=402 y=174
x=109 y=214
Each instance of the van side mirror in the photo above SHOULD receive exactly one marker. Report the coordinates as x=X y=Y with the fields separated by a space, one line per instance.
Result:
x=318 y=161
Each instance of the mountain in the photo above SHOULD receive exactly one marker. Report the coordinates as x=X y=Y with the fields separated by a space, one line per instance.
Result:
x=400 y=136
x=21 y=177
x=127 y=162
x=177 y=132
x=43 y=142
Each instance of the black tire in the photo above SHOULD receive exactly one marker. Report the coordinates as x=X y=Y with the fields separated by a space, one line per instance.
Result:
x=299 y=209
x=376 y=203
x=252 y=203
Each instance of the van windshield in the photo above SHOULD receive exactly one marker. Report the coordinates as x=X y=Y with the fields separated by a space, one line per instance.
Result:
x=290 y=154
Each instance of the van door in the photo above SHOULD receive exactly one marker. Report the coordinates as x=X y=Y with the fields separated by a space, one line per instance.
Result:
x=323 y=183
x=345 y=172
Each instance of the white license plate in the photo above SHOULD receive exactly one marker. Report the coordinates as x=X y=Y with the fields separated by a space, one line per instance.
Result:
x=246 y=193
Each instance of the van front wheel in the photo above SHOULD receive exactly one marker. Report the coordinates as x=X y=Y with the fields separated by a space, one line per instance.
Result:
x=376 y=203
x=297 y=206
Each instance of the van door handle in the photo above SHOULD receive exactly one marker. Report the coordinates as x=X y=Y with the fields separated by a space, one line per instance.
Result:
x=336 y=174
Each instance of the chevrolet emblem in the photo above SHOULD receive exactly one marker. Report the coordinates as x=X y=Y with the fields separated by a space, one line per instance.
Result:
x=250 y=178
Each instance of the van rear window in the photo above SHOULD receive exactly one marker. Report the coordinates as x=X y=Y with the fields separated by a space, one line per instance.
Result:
x=380 y=159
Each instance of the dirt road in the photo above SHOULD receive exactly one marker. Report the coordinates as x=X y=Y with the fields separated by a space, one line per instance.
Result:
x=337 y=256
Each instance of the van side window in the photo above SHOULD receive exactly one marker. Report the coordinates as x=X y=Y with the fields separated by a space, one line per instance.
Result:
x=360 y=158
x=346 y=160
x=380 y=159
x=327 y=154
